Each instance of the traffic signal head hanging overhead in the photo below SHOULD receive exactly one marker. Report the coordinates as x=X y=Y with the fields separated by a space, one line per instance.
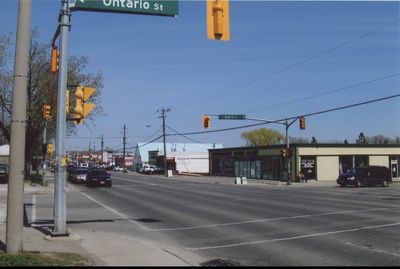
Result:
x=46 y=111
x=302 y=123
x=55 y=60
x=82 y=109
x=206 y=121
x=218 y=20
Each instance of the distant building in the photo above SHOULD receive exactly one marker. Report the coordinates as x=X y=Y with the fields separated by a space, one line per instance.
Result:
x=316 y=161
x=5 y=154
x=181 y=157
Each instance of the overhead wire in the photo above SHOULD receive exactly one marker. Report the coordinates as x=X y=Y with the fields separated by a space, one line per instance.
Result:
x=288 y=67
x=177 y=133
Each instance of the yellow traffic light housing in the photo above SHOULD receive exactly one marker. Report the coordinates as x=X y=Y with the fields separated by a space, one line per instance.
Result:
x=50 y=149
x=55 y=60
x=82 y=109
x=206 y=121
x=67 y=103
x=46 y=111
x=218 y=20
x=283 y=153
x=302 y=123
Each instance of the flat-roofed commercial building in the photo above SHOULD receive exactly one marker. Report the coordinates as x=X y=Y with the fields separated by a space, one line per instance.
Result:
x=321 y=162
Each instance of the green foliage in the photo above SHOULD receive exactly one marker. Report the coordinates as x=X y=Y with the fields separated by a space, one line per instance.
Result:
x=262 y=137
x=44 y=259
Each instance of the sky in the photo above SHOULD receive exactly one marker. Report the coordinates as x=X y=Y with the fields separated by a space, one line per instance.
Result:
x=284 y=59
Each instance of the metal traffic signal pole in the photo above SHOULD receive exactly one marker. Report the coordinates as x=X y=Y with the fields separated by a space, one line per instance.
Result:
x=60 y=219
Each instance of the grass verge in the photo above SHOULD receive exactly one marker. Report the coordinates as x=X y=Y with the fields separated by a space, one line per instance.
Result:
x=44 y=259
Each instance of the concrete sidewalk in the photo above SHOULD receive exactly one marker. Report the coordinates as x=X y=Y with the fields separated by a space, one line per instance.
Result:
x=101 y=249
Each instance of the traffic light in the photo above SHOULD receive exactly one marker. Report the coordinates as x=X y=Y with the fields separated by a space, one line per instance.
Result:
x=206 y=121
x=302 y=123
x=283 y=153
x=290 y=153
x=67 y=103
x=82 y=109
x=50 y=148
x=218 y=20
x=46 y=111
x=55 y=59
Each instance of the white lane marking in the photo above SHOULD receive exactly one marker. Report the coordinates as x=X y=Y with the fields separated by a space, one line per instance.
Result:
x=122 y=215
x=372 y=249
x=272 y=219
x=133 y=186
x=131 y=181
x=292 y=238
x=33 y=217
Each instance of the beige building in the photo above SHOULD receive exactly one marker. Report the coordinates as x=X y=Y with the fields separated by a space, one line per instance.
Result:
x=321 y=162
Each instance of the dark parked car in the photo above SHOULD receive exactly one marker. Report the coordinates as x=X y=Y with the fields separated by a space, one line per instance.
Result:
x=78 y=175
x=3 y=173
x=366 y=176
x=98 y=177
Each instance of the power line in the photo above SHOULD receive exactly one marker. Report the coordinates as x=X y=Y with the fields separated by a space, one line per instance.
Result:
x=326 y=93
x=177 y=133
x=285 y=68
x=294 y=117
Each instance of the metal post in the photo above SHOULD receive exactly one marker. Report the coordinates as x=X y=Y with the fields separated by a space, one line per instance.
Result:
x=15 y=198
x=123 y=155
x=287 y=154
x=102 y=149
x=60 y=220
x=44 y=152
x=165 y=146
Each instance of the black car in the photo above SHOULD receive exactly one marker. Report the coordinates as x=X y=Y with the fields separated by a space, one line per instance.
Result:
x=78 y=175
x=98 y=177
x=366 y=176
x=3 y=173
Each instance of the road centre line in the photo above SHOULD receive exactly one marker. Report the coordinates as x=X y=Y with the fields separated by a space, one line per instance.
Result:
x=293 y=238
x=271 y=219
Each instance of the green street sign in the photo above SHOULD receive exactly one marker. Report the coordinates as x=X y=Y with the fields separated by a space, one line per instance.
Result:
x=231 y=117
x=145 y=7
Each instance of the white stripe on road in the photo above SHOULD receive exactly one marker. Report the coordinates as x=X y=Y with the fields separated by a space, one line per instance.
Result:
x=33 y=217
x=139 y=182
x=273 y=219
x=293 y=238
x=372 y=249
x=122 y=215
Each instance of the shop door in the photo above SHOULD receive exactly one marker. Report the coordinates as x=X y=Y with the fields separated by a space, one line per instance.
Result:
x=394 y=167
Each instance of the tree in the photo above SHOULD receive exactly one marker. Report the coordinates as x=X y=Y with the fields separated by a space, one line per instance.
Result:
x=313 y=140
x=346 y=142
x=42 y=88
x=262 y=137
x=378 y=139
x=361 y=139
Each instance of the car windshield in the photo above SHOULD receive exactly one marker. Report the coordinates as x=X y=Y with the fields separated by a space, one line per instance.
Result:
x=81 y=171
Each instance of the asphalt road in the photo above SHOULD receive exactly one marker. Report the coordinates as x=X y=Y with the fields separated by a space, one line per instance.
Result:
x=227 y=224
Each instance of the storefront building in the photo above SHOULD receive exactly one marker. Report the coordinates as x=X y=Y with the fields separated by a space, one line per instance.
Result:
x=321 y=162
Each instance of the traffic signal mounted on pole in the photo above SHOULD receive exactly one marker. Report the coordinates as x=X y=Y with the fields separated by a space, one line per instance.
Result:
x=82 y=109
x=46 y=111
x=218 y=20
x=55 y=60
x=67 y=103
x=302 y=123
x=206 y=121
x=286 y=153
x=283 y=153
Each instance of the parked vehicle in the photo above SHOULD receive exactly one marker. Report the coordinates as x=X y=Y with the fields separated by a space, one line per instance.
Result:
x=117 y=168
x=366 y=176
x=3 y=173
x=98 y=177
x=78 y=175
x=148 y=169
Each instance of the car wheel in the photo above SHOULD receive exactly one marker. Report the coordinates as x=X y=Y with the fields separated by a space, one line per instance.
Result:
x=358 y=183
x=385 y=183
